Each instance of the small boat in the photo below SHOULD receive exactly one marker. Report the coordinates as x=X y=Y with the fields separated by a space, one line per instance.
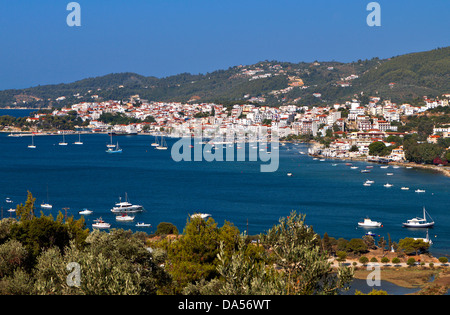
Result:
x=333 y=164
x=46 y=205
x=100 y=224
x=85 y=212
x=200 y=215
x=369 y=167
x=370 y=181
x=289 y=174
x=32 y=146
x=369 y=223
x=354 y=167
x=405 y=188
x=124 y=218
x=365 y=171
x=79 y=140
x=163 y=145
x=142 y=224
x=116 y=149
x=420 y=222
x=389 y=174
x=126 y=207
x=8 y=200
x=367 y=184
x=371 y=234
x=420 y=191
x=384 y=166
x=388 y=185
x=155 y=144
x=12 y=210
x=63 y=142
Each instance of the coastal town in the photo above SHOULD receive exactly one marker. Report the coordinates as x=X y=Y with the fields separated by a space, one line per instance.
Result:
x=350 y=128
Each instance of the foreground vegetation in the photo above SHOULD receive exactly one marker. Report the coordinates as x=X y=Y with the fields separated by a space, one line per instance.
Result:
x=40 y=255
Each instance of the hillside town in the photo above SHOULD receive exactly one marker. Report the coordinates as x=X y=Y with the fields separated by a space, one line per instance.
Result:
x=352 y=125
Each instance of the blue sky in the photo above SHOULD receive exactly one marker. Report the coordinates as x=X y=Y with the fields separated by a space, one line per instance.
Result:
x=167 y=37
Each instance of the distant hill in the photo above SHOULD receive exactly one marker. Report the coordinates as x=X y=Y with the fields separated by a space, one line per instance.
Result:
x=400 y=78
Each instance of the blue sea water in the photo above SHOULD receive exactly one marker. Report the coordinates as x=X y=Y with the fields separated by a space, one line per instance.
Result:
x=329 y=193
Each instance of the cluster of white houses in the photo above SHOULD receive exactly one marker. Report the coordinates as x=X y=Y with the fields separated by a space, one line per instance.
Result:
x=353 y=125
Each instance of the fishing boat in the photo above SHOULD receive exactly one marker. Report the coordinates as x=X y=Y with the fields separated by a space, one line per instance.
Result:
x=85 y=211
x=63 y=142
x=369 y=223
x=126 y=207
x=100 y=224
x=124 y=218
x=115 y=149
x=420 y=222
x=32 y=146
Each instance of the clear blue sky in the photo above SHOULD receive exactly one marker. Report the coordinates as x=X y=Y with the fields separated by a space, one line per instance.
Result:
x=166 y=37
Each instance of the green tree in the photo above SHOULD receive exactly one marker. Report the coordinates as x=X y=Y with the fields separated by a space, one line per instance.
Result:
x=295 y=249
x=376 y=148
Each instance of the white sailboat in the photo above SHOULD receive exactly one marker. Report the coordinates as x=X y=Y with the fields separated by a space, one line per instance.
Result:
x=32 y=146
x=64 y=141
x=420 y=222
x=79 y=140
x=155 y=144
x=111 y=145
x=46 y=205
x=163 y=145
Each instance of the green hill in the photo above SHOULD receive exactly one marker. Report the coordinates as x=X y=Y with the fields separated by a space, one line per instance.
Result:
x=413 y=75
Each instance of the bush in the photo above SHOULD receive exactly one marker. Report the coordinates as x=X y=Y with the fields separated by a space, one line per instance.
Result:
x=443 y=260
x=341 y=256
x=384 y=260
x=411 y=262
x=165 y=228
x=363 y=260
x=396 y=260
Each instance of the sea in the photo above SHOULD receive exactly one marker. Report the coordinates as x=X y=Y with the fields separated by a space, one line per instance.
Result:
x=328 y=192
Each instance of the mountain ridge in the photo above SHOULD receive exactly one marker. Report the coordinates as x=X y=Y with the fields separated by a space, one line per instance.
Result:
x=401 y=78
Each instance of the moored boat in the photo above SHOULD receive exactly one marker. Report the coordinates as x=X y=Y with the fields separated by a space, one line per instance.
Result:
x=420 y=222
x=369 y=223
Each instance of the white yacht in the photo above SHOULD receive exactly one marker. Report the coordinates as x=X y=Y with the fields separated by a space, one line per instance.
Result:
x=46 y=206
x=100 y=224
x=126 y=207
x=142 y=224
x=388 y=185
x=124 y=218
x=200 y=215
x=85 y=212
x=420 y=222
x=369 y=223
